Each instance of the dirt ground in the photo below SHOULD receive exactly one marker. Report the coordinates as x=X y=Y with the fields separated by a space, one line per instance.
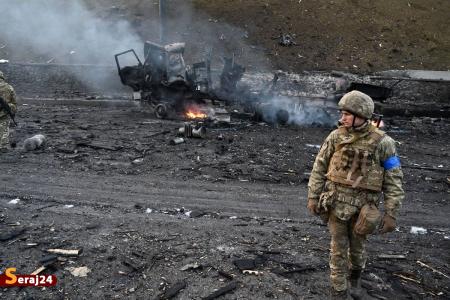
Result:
x=108 y=182
x=161 y=221
x=357 y=36
x=361 y=36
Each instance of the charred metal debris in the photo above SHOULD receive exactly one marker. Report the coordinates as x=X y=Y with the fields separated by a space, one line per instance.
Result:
x=196 y=93
x=165 y=82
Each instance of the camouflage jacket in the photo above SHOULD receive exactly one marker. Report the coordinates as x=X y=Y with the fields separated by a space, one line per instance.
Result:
x=7 y=92
x=385 y=153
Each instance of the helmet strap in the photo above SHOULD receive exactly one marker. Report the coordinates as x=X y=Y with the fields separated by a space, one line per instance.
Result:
x=354 y=119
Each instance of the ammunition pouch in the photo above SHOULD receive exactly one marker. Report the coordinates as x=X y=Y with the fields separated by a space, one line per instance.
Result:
x=326 y=202
x=368 y=220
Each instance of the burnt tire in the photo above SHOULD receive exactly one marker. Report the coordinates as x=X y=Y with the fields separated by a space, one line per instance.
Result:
x=161 y=111
x=282 y=116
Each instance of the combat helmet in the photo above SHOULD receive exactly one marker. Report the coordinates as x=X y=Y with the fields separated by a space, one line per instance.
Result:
x=358 y=104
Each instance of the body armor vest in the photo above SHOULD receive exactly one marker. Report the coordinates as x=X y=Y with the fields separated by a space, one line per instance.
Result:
x=354 y=162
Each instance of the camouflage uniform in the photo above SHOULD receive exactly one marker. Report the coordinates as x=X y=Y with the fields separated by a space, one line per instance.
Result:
x=354 y=167
x=8 y=94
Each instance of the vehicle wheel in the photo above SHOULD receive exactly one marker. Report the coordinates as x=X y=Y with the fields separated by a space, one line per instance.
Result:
x=161 y=111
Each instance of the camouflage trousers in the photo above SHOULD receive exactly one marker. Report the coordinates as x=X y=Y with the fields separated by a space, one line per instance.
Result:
x=347 y=250
x=4 y=133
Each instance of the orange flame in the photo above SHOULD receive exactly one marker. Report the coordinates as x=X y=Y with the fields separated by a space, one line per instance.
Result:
x=195 y=114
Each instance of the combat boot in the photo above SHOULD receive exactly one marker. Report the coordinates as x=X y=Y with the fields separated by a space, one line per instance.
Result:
x=338 y=295
x=355 y=284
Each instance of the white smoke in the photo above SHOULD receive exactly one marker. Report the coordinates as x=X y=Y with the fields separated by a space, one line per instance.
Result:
x=64 y=31
x=297 y=111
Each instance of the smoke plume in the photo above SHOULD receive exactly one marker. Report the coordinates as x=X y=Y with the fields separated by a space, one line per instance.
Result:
x=297 y=111
x=63 y=31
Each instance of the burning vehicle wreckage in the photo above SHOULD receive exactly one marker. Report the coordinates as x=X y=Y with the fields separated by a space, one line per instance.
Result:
x=175 y=90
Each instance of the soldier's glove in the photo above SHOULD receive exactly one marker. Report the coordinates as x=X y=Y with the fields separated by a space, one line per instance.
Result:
x=387 y=224
x=313 y=207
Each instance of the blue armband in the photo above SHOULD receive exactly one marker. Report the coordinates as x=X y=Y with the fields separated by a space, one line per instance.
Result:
x=391 y=163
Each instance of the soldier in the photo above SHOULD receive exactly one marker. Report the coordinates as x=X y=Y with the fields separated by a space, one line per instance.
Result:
x=9 y=100
x=356 y=164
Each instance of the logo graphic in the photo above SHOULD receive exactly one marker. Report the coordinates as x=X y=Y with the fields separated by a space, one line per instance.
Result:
x=10 y=279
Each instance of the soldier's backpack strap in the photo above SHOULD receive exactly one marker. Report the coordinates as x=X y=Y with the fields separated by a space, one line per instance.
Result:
x=375 y=138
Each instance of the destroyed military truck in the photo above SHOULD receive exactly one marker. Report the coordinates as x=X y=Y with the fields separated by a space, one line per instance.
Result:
x=166 y=83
